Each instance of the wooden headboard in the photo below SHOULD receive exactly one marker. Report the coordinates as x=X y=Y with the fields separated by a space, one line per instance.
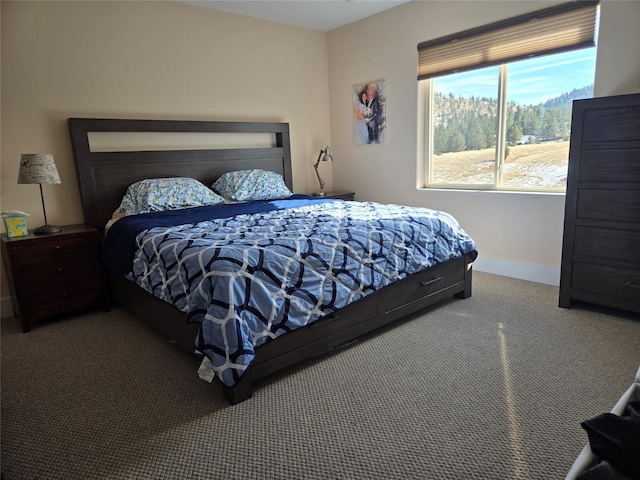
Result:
x=105 y=175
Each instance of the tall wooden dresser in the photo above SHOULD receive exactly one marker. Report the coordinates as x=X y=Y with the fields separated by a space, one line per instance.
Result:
x=601 y=244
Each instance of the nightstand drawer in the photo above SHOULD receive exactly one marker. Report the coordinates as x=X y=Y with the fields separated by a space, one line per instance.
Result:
x=343 y=195
x=340 y=195
x=62 y=249
x=45 y=304
x=58 y=275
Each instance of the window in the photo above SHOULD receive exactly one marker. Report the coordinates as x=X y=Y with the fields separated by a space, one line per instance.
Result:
x=501 y=120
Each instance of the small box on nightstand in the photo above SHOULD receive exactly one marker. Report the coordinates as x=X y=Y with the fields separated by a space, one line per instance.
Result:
x=15 y=223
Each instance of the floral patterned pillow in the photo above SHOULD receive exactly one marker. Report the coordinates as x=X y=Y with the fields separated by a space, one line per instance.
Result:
x=247 y=185
x=158 y=194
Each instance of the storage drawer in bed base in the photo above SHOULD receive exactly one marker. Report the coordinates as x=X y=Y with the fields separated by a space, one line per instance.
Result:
x=359 y=320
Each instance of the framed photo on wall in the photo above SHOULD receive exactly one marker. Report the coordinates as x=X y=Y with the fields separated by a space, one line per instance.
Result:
x=369 y=119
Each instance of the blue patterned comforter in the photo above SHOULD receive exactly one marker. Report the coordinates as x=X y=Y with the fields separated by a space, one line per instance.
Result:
x=277 y=266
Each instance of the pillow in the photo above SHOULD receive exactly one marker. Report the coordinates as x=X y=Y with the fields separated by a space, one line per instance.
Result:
x=158 y=194
x=246 y=185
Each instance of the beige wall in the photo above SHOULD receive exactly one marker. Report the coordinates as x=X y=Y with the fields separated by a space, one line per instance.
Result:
x=148 y=60
x=517 y=234
x=170 y=60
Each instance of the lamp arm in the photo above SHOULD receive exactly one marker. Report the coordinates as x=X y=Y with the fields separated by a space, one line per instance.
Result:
x=315 y=166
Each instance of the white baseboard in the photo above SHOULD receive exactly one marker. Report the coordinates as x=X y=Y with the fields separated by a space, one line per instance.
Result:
x=520 y=270
x=6 y=307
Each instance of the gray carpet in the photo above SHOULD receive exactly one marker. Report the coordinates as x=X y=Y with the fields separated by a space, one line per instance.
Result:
x=491 y=387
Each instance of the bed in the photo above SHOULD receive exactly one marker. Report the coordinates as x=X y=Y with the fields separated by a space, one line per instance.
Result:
x=343 y=310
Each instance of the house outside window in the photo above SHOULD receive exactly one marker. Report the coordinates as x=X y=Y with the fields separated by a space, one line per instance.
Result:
x=504 y=123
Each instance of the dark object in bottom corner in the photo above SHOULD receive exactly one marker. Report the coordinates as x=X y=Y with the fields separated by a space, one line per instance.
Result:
x=616 y=439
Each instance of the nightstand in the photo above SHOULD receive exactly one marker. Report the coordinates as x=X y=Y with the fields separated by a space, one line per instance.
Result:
x=54 y=274
x=341 y=195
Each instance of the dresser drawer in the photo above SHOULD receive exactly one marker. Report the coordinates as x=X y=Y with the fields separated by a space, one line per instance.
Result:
x=609 y=204
x=612 y=124
x=68 y=249
x=607 y=243
x=608 y=165
x=607 y=280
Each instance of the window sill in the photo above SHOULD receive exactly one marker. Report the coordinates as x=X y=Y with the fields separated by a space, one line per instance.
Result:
x=492 y=191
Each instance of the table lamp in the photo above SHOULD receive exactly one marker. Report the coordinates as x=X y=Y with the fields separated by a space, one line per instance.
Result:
x=325 y=156
x=39 y=168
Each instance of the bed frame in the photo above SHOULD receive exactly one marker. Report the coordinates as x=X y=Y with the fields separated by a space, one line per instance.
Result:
x=105 y=176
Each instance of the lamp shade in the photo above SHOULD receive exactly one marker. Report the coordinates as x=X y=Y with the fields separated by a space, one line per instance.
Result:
x=326 y=155
x=38 y=168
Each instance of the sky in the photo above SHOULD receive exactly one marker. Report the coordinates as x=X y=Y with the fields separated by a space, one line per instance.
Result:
x=531 y=81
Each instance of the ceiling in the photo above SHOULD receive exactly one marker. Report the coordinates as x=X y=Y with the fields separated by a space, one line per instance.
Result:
x=323 y=15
